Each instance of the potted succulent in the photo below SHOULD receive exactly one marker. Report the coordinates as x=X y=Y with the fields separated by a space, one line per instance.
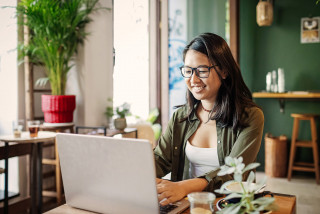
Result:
x=121 y=111
x=56 y=29
x=242 y=197
x=109 y=112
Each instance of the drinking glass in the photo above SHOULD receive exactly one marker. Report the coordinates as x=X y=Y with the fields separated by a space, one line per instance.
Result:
x=201 y=202
x=17 y=126
x=34 y=126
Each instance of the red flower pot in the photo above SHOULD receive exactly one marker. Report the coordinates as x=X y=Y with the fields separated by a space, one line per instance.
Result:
x=58 y=108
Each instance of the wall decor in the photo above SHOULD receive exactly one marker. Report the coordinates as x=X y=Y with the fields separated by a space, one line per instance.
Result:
x=310 y=30
x=264 y=13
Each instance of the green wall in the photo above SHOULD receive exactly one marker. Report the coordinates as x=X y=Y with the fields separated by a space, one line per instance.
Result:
x=206 y=16
x=263 y=49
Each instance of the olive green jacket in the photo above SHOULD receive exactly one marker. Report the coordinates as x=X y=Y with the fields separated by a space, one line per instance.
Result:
x=170 y=151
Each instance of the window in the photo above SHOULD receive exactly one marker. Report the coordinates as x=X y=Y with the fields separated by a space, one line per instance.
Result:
x=131 y=43
x=9 y=79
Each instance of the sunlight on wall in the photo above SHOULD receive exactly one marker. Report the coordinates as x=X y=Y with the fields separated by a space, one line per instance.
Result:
x=131 y=42
x=8 y=82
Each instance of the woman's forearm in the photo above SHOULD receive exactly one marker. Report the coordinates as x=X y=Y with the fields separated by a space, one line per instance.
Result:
x=193 y=185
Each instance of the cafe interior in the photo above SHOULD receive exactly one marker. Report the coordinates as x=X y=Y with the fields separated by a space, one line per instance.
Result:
x=129 y=61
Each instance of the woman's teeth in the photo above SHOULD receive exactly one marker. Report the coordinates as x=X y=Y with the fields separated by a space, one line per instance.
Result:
x=198 y=88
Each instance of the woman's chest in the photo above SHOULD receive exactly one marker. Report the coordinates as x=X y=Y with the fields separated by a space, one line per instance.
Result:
x=205 y=135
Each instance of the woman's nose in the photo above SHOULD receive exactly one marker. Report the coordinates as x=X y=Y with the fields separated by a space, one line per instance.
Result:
x=194 y=78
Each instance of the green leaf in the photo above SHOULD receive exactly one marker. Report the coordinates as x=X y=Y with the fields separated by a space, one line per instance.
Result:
x=250 y=178
x=232 y=209
x=157 y=130
x=251 y=166
x=223 y=187
x=238 y=177
x=42 y=81
x=153 y=115
x=233 y=195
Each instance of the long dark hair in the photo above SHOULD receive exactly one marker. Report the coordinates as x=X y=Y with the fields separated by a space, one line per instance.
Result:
x=233 y=96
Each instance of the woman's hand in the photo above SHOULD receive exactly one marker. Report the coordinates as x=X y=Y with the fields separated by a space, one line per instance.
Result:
x=170 y=191
x=175 y=191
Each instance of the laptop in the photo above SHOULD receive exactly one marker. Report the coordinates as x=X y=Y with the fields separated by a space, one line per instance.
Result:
x=110 y=175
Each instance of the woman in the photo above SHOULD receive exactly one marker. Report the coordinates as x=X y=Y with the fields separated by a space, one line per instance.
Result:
x=219 y=119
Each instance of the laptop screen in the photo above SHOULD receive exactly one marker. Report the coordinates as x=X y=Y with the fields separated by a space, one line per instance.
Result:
x=108 y=175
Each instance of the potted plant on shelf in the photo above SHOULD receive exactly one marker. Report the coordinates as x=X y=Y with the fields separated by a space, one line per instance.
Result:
x=109 y=112
x=56 y=29
x=121 y=111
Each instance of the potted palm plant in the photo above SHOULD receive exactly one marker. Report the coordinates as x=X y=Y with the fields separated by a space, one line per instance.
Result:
x=57 y=27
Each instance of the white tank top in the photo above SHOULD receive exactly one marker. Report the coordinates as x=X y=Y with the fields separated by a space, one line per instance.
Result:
x=202 y=160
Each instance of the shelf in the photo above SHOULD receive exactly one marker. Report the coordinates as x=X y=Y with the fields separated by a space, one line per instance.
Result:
x=288 y=95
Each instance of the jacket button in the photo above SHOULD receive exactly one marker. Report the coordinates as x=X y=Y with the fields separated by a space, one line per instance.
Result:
x=219 y=141
x=175 y=147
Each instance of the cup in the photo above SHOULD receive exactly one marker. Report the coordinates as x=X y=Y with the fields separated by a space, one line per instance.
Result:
x=17 y=126
x=33 y=126
x=201 y=202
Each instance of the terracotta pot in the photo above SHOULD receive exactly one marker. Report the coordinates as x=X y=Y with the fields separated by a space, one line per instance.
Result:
x=58 y=108
x=120 y=123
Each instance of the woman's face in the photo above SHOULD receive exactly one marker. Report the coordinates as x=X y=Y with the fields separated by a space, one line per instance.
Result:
x=205 y=89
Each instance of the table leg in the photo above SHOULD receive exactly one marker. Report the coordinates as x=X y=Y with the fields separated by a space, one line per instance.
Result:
x=39 y=176
x=6 y=178
x=33 y=177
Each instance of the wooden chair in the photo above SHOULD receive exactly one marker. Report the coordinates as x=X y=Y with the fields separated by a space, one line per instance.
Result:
x=57 y=192
x=20 y=203
x=302 y=166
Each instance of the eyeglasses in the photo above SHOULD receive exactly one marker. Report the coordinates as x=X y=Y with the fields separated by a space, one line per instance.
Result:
x=201 y=71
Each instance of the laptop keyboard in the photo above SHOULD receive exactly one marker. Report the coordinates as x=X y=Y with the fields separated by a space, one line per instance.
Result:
x=167 y=208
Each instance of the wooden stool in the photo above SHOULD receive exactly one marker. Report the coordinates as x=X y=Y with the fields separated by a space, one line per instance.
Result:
x=55 y=161
x=302 y=166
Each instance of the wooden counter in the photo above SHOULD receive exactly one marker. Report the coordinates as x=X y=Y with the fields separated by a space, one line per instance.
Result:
x=286 y=205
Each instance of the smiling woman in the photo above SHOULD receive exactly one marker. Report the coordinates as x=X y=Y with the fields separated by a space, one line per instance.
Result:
x=219 y=119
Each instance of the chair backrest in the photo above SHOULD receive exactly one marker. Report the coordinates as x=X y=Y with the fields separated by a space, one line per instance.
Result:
x=145 y=131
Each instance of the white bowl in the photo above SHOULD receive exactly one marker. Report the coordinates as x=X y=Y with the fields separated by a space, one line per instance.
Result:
x=235 y=187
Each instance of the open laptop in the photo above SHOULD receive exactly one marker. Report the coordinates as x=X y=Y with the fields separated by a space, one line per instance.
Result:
x=110 y=175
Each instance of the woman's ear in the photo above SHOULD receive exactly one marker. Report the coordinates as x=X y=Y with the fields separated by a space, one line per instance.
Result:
x=224 y=74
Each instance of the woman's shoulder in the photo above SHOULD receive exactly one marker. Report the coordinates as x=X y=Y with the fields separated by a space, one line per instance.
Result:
x=254 y=114
x=180 y=112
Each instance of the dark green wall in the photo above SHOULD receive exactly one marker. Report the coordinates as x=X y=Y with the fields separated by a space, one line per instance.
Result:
x=206 y=16
x=263 y=49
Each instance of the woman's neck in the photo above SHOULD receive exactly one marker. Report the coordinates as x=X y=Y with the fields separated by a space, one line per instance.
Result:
x=207 y=106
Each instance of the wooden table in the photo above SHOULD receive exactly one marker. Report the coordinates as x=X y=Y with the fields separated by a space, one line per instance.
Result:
x=288 y=95
x=43 y=136
x=57 y=127
x=286 y=204
x=113 y=132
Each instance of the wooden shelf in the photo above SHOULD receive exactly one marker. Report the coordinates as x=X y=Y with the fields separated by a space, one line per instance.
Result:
x=288 y=95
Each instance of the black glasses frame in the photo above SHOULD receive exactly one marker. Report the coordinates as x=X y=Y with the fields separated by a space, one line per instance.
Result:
x=196 y=70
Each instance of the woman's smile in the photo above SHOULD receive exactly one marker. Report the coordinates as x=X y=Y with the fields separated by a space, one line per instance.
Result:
x=197 y=88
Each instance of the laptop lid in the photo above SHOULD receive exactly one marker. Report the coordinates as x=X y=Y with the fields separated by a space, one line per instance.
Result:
x=108 y=175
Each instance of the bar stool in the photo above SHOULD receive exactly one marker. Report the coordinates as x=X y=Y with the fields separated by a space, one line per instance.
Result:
x=57 y=193
x=302 y=166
